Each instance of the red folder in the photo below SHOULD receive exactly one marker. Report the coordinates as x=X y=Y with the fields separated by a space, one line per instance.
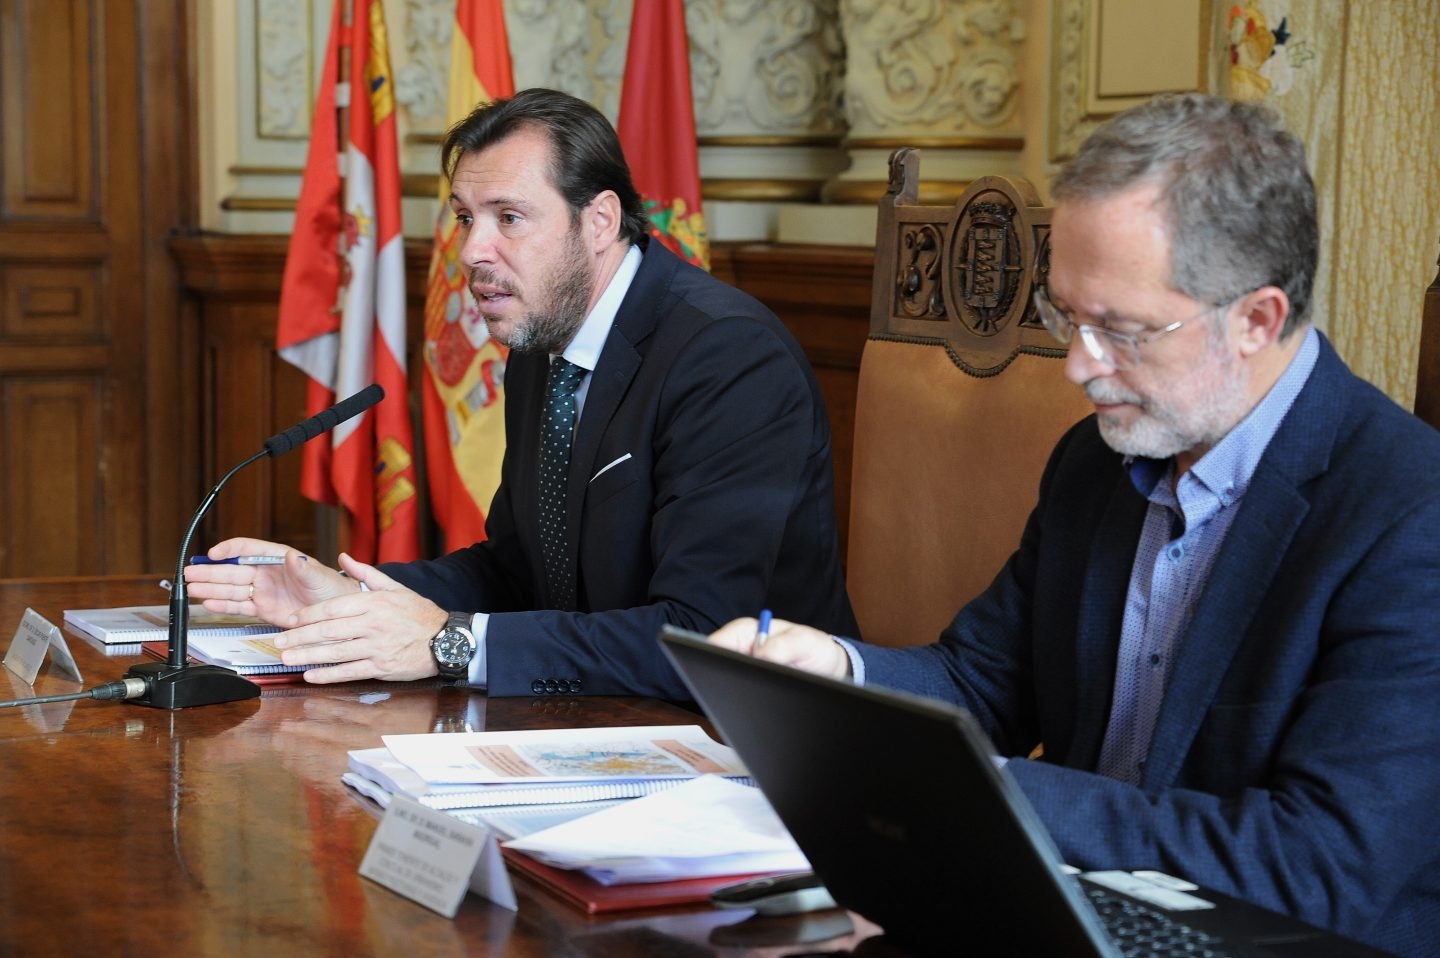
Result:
x=593 y=898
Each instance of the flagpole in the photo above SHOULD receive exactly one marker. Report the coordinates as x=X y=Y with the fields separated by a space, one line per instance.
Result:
x=337 y=517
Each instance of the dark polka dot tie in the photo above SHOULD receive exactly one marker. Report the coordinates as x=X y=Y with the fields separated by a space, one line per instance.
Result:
x=557 y=432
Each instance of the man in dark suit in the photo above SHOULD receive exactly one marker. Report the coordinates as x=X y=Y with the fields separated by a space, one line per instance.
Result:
x=698 y=484
x=1221 y=618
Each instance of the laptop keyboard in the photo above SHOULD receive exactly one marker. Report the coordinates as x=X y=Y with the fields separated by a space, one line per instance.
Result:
x=1141 y=932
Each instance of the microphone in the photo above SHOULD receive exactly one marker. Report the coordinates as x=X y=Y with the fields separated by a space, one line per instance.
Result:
x=178 y=683
x=324 y=421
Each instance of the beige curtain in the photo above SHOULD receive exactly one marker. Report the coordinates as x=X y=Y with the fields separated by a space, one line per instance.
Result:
x=1359 y=81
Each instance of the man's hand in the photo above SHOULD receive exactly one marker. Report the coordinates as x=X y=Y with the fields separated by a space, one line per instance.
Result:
x=789 y=644
x=272 y=592
x=380 y=634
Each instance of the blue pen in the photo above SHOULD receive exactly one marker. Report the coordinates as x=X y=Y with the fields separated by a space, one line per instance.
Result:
x=238 y=560
x=762 y=629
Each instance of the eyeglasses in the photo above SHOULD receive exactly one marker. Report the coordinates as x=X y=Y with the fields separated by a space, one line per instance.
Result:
x=1120 y=351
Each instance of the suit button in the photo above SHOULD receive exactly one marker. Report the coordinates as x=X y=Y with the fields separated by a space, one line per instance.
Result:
x=537 y=687
x=574 y=686
x=552 y=686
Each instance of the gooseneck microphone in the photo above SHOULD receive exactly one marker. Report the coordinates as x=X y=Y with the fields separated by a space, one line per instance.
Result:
x=178 y=683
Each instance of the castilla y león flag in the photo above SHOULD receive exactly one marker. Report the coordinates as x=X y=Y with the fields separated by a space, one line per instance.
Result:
x=342 y=301
x=464 y=368
x=657 y=127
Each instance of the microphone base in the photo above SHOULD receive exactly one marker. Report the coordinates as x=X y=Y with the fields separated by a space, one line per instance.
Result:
x=190 y=685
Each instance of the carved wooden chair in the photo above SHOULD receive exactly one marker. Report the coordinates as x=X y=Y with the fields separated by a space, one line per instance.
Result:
x=961 y=398
x=1427 y=382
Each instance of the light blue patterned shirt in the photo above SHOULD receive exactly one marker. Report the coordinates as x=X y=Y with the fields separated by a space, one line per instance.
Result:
x=1185 y=526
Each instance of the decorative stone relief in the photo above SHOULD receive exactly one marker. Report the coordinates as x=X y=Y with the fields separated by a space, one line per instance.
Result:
x=762 y=68
x=422 y=84
x=1069 y=122
x=932 y=68
x=283 y=78
x=565 y=45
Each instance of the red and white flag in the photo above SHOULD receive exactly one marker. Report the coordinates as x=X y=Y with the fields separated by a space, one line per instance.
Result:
x=462 y=393
x=342 y=302
x=657 y=127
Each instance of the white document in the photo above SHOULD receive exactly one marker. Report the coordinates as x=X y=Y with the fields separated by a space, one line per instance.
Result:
x=707 y=826
x=574 y=755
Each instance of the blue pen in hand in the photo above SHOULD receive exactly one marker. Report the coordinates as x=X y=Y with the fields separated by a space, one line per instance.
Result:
x=762 y=628
x=238 y=560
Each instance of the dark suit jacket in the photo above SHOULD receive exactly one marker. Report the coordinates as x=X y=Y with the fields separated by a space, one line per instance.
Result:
x=1296 y=759
x=724 y=506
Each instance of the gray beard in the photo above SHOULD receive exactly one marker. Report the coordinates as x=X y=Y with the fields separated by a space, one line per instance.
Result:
x=1162 y=433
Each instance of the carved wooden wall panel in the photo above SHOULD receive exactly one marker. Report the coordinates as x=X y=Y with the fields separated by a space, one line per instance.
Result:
x=96 y=170
x=51 y=427
x=48 y=170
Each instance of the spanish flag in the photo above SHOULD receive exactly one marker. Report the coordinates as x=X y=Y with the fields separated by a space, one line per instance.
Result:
x=657 y=127
x=342 y=300
x=463 y=392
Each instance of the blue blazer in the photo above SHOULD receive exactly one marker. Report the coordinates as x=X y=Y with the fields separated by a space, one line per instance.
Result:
x=1296 y=758
x=718 y=499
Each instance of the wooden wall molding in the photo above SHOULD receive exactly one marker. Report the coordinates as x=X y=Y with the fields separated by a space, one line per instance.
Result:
x=232 y=283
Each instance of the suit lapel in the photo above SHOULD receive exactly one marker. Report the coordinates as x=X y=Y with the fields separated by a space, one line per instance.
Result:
x=1243 y=573
x=616 y=369
x=525 y=375
x=1272 y=511
x=1102 y=607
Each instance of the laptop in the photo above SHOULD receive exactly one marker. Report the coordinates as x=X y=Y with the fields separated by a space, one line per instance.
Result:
x=904 y=815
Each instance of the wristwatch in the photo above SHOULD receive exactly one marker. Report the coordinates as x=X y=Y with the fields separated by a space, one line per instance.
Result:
x=454 y=646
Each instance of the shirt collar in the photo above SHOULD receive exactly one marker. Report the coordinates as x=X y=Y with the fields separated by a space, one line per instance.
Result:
x=1227 y=468
x=589 y=340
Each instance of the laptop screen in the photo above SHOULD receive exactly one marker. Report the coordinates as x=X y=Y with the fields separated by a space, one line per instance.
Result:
x=898 y=805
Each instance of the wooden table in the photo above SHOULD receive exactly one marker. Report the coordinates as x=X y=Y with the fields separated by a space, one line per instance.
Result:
x=225 y=830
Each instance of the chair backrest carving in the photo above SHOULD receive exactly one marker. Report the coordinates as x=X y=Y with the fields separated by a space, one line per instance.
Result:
x=962 y=396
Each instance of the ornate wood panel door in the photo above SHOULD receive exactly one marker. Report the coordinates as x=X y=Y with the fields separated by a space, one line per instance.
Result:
x=96 y=171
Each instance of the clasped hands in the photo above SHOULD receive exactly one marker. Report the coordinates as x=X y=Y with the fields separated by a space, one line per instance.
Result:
x=383 y=633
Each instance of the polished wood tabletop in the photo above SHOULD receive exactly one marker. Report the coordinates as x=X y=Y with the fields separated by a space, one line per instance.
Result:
x=225 y=830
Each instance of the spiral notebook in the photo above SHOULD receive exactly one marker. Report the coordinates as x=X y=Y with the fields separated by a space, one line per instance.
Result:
x=376 y=774
x=457 y=770
x=251 y=656
x=132 y=625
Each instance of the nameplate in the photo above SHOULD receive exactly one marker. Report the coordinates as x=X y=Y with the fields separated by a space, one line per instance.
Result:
x=433 y=859
x=32 y=640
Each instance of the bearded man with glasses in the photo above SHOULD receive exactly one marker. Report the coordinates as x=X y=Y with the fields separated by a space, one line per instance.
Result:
x=1220 y=620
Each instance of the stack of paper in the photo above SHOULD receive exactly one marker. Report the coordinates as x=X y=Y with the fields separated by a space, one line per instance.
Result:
x=699 y=816
x=707 y=826
x=451 y=770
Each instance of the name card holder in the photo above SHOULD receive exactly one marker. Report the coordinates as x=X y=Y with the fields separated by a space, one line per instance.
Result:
x=433 y=859
x=36 y=636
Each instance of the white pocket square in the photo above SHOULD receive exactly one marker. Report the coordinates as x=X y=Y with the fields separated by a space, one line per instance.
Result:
x=609 y=467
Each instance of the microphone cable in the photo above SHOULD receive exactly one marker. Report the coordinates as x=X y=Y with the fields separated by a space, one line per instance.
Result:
x=120 y=689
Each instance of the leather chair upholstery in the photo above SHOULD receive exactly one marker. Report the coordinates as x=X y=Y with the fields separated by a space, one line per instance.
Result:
x=961 y=398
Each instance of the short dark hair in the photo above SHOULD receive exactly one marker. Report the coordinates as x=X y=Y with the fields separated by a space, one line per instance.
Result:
x=1238 y=198
x=585 y=154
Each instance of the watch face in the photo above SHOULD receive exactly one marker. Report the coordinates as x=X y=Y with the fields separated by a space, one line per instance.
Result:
x=453 y=647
